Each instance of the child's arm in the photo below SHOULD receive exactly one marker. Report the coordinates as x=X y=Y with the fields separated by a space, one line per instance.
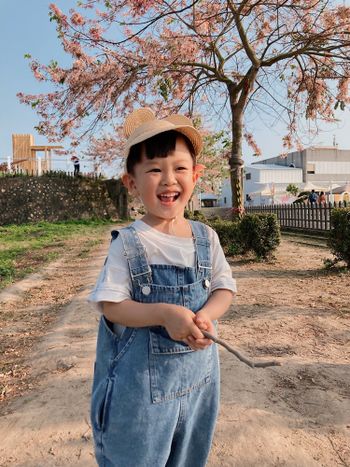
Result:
x=178 y=320
x=217 y=304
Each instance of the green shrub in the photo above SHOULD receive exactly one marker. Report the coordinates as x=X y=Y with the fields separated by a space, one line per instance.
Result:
x=259 y=233
x=229 y=235
x=196 y=216
x=339 y=236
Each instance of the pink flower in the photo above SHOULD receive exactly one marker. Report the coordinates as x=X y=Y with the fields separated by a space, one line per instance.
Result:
x=239 y=210
x=77 y=19
x=95 y=33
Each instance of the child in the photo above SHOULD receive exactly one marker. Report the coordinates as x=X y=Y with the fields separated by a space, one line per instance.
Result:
x=156 y=381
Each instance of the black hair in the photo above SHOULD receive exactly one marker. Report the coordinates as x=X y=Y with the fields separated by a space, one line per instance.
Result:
x=157 y=146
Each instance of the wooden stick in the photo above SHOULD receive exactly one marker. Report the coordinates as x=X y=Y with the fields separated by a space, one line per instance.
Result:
x=238 y=355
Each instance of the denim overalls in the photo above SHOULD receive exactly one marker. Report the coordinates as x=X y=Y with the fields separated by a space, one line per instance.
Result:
x=155 y=400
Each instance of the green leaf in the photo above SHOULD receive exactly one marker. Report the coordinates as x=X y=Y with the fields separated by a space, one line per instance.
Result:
x=53 y=64
x=35 y=103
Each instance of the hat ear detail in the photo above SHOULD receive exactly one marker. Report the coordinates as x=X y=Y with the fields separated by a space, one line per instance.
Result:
x=136 y=119
x=177 y=119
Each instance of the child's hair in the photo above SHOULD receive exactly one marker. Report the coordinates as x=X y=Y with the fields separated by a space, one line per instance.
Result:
x=159 y=145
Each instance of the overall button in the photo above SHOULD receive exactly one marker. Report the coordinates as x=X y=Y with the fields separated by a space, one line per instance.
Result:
x=146 y=290
x=206 y=283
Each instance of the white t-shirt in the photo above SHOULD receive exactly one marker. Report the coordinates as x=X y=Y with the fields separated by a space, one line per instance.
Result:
x=114 y=283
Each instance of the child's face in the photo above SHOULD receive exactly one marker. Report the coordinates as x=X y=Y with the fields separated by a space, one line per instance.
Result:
x=164 y=184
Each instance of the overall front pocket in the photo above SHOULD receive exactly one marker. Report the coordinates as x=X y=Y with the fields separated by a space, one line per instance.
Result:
x=100 y=402
x=176 y=369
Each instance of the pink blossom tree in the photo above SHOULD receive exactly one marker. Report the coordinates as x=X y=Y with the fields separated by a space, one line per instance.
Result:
x=215 y=155
x=286 y=58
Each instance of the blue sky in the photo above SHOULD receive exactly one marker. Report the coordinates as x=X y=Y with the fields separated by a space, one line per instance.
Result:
x=25 y=28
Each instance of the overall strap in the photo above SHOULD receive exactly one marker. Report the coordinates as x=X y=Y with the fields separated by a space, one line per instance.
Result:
x=202 y=246
x=135 y=253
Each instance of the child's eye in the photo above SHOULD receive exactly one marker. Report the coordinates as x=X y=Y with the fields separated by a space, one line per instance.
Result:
x=153 y=170
x=181 y=168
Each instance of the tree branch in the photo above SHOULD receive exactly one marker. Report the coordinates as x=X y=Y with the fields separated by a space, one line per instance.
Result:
x=239 y=355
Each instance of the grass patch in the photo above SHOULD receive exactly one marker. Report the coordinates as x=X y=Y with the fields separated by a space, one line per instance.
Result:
x=25 y=248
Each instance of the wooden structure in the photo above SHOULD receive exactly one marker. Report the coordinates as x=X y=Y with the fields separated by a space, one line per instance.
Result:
x=301 y=216
x=25 y=154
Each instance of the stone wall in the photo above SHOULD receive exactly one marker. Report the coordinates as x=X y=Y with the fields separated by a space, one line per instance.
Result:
x=33 y=199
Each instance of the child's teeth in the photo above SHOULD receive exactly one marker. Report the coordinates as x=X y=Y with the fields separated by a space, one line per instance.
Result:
x=168 y=196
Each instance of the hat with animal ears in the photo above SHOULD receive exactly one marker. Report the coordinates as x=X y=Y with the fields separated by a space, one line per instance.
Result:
x=142 y=124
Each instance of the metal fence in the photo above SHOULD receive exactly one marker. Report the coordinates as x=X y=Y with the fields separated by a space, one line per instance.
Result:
x=316 y=217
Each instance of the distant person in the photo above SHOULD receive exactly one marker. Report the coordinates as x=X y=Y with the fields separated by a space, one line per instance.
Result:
x=313 y=197
x=322 y=198
x=76 y=163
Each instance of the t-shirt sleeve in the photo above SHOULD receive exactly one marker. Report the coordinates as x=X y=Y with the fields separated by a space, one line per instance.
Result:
x=221 y=272
x=113 y=283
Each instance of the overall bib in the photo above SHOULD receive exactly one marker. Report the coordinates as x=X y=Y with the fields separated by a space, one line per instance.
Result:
x=155 y=400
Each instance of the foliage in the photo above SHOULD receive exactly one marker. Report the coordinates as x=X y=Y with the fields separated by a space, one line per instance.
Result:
x=260 y=233
x=292 y=189
x=196 y=216
x=26 y=247
x=106 y=149
x=303 y=197
x=215 y=155
x=229 y=235
x=339 y=236
x=224 y=59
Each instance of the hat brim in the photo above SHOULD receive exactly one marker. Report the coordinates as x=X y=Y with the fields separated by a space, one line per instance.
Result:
x=155 y=127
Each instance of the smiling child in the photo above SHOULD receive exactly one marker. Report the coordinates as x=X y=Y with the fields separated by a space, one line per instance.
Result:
x=156 y=382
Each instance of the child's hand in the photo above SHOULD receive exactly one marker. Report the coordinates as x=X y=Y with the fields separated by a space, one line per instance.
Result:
x=205 y=323
x=179 y=322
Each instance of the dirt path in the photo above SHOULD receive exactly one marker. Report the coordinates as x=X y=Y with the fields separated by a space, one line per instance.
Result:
x=294 y=415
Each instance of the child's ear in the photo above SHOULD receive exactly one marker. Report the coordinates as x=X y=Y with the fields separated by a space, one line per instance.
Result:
x=129 y=183
x=197 y=171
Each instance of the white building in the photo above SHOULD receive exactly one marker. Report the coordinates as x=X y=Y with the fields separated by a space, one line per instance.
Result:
x=321 y=168
x=320 y=165
x=265 y=184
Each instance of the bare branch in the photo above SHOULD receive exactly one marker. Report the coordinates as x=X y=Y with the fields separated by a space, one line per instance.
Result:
x=240 y=357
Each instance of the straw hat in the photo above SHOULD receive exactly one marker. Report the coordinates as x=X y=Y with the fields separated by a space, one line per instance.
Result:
x=143 y=124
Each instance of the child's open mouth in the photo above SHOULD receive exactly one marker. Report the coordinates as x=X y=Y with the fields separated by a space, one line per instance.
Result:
x=169 y=197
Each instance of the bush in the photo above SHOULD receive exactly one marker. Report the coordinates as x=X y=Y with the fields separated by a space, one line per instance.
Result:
x=259 y=233
x=229 y=235
x=339 y=236
x=196 y=216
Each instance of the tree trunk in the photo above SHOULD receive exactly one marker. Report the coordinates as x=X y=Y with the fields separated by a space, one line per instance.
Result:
x=238 y=100
x=236 y=161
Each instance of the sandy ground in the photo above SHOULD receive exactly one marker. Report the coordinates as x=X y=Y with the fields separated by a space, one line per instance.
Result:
x=290 y=310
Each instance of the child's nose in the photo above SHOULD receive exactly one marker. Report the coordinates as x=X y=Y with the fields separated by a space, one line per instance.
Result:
x=168 y=178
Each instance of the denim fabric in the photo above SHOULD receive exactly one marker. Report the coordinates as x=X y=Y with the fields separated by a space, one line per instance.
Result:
x=155 y=400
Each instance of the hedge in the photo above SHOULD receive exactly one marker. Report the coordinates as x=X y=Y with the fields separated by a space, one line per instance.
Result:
x=339 y=236
x=258 y=233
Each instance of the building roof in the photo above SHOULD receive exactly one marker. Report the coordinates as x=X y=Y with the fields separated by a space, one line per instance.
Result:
x=272 y=167
x=208 y=196
x=310 y=148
